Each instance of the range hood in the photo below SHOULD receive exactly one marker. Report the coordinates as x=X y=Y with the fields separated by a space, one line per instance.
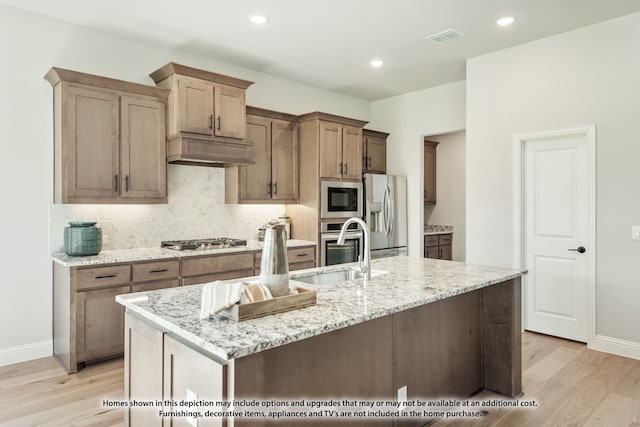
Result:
x=206 y=116
x=190 y=149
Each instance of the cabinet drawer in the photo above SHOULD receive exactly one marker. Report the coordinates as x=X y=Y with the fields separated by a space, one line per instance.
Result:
x=100 y=277
x=158 y=270
x=216 y=264
x=430 y=241
x=296 y=255
x=444 y=239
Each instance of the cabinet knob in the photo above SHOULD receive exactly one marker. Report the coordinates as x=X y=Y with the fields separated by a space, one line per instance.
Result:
x=275 y=188
x=126 y=183
x=219 y=121
x=115 y=183
x=211 y=121
x=346 y=165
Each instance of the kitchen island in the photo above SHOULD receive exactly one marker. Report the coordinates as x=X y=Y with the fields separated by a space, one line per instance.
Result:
x=438 y=328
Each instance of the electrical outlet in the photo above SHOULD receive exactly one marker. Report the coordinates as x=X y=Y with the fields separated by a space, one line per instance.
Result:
x=402 y=398
x=635 y=232
x=191 y=396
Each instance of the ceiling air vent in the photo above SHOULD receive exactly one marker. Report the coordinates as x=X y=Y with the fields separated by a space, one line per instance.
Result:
x=445 y=36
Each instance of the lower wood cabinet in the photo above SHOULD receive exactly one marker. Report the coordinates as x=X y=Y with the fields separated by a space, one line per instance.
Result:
x=99 y=324
x=88 y=324
x=449 y=348
x=438 y=246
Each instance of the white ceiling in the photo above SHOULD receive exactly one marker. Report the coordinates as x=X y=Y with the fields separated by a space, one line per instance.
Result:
x=329 y=43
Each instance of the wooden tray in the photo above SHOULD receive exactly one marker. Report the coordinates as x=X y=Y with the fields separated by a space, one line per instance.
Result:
x=239 y=312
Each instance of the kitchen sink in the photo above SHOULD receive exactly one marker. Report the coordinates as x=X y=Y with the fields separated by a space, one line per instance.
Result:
x=337 y=276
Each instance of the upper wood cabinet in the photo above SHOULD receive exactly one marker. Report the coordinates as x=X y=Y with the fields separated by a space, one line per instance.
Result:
x=273 y=176
x=207 y=119
x=110 y=141
x=374 y=151
x=430 y=171
x=339 y=145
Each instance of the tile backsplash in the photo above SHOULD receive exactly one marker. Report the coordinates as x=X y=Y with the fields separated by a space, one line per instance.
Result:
x=196 y=209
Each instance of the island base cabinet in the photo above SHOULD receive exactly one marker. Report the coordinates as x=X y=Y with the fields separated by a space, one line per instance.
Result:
x=354 y=363
x=448 y=348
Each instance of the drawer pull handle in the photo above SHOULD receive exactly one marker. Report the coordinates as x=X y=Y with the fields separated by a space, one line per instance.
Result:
x=162 y=270
x=106 y=276
x=305 y=254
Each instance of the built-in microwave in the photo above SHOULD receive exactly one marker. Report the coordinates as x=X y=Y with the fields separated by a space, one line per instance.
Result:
x=339 y=199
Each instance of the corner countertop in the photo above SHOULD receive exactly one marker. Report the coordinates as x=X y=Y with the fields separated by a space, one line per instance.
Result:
x=433 y=230
x=149 y=254
x=410 y=282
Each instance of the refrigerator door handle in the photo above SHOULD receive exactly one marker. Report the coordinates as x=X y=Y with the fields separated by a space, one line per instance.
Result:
x=388 y=211
x=392 y=216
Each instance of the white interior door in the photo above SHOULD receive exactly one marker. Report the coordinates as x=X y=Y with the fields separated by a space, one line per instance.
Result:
x=556 y=234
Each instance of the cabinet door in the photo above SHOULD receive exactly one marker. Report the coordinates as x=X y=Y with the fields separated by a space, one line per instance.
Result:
x=91 y=144
x=255 y=179
x=230 y=112
x=330 y=150
x=351 y=153
x=143 y=148
x=429 y=173
x=196 y=106
x=376 y=155
x=431 y=252
x=99 y=324
x=446 y=252
x=284 y=160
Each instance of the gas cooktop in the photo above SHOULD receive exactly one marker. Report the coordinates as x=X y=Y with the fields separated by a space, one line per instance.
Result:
x=201 y=244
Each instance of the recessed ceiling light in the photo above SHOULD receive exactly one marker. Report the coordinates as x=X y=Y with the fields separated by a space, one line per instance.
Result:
x=376 y=63
x=258 y=19
x=507 y=20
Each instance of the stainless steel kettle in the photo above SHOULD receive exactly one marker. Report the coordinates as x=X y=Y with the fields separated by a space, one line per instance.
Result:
x=274 y=266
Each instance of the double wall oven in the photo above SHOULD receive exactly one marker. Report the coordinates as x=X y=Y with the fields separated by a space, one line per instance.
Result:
x=340 y=201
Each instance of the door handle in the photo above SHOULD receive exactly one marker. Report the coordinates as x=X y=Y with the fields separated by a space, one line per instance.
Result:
x=219 y=121
x=579 y=249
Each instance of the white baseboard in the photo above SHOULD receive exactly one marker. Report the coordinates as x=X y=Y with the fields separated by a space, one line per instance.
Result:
x=22 y=353
x=616 y=346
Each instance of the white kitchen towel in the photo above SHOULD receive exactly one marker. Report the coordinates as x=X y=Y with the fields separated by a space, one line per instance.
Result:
x=216 y=296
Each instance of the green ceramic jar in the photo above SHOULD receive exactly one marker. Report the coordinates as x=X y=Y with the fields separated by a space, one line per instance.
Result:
x=82 y=239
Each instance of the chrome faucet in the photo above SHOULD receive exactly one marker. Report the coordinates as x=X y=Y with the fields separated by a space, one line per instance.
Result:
x=365 y=267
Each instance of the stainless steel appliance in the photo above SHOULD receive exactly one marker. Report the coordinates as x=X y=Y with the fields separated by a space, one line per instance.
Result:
x=202 y=244
x=274 y=267
x=340 y=199
x=331 y=252
x=385 y=200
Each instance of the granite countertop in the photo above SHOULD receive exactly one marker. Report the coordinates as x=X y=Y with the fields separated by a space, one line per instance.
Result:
x=146 y=254
x=432 y=230
x=411 y=282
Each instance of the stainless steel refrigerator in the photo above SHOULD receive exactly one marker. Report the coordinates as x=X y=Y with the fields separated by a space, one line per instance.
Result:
x=385 y=212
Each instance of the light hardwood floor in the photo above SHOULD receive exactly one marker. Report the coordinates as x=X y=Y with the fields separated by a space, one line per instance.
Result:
x=573 y=386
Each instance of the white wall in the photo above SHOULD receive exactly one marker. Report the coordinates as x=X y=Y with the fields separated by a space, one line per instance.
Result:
x=31 y=44
x=450 y=189
x=586 y=76
x=408 y=118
